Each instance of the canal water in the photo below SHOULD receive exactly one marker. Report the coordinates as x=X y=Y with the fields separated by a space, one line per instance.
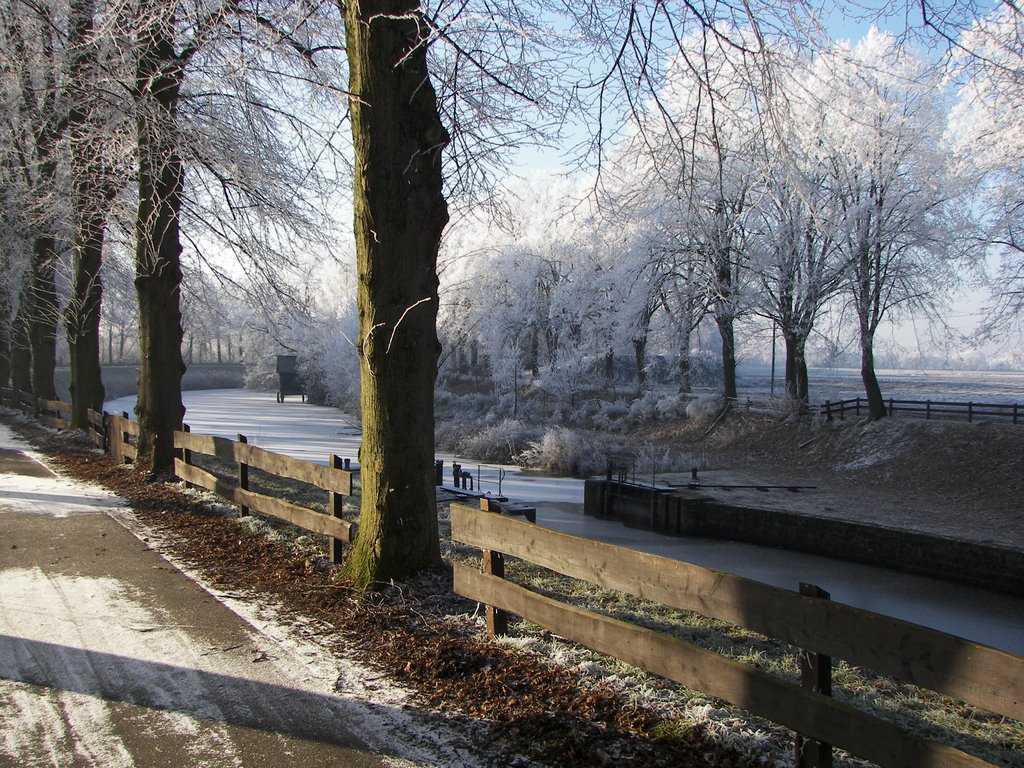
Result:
x=313 y=433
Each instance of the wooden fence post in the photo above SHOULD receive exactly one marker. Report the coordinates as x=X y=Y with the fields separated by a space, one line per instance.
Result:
x=334 y=509
x=123 y=437
x=815 y=675
x=243 y=477
x=494 y=565
x=186 y=454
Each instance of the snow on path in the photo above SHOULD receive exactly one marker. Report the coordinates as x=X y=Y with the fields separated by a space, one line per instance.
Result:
x=110 y=657
x=313 y=433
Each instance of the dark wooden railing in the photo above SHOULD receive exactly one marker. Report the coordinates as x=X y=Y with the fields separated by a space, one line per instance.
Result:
x=985 y=677
x=929 y=409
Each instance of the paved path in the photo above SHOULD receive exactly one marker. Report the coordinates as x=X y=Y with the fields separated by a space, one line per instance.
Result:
x=109 y=656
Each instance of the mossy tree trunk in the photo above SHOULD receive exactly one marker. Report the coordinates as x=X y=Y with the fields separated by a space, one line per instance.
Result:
x=400 y=212
x=158 y=276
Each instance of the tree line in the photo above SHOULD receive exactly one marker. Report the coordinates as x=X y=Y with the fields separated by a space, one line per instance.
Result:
x=739 y=166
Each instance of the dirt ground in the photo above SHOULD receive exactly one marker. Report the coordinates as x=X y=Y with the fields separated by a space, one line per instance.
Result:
x=956 y=479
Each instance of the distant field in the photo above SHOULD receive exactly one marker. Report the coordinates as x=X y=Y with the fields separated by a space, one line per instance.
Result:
x=844 y=383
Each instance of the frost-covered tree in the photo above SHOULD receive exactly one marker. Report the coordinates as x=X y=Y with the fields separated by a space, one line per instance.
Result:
x=986 y=125
x=32 y=75
x=882 y=139
x=795 y=256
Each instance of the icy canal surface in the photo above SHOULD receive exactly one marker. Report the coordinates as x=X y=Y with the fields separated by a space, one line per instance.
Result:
x=314 y=433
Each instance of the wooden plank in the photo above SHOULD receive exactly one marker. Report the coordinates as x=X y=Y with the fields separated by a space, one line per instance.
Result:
x=983 y=676
x=267 y=505
x=754 y=690
x=329 y=479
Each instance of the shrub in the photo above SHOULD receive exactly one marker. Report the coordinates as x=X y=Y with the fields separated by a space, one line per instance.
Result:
x=566 y=451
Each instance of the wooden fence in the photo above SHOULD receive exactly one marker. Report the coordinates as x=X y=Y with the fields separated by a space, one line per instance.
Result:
x=987 y=678
x=334 y=480
x=53 y=413
x=118 y=435
x=929 y=409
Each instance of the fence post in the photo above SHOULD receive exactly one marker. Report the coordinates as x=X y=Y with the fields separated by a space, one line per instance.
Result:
x=186 y=454
x=970 y=412
x=928 y=409
x=494 y=565
x=1014 y=413
x=891 y=409
x=334 y=509
x=123 y=437
x=243 y=477
x=815 y=675
x=106 y=432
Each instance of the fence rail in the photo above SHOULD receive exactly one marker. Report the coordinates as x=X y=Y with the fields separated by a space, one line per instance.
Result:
x=929 y=409
x=336 y=482
x=977 y=674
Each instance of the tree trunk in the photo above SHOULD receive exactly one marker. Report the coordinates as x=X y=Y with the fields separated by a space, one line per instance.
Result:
x=43 y=317
x=82 y=321
x=726 y=328
x=685 y=373
x=92 y=193
x=876 y=405
x=796 y=367
x=21 y=348
x=640 y=357
x=400 y=212
x=6 y=325
x=533 y=361
x=158 y=248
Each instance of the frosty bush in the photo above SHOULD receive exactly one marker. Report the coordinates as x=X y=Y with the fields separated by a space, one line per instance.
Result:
x=644 y=408
x=611 y=416
x=566 y=451
x=705 y=407
x=671 y=406
x=500 y=442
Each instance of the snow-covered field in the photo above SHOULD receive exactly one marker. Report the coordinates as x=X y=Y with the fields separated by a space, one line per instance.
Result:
x=837 y=384
x=313 y=433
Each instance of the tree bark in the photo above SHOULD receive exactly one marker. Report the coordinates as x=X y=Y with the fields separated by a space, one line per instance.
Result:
x=400 y=212
x=876 y=405
x=82 y=321
x=640 y=358
x=21 y=348
x=726 y=328
x=158 y=248
x=797 y=385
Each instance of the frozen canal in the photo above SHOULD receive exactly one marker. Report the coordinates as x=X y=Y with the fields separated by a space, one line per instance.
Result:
x=314 y=433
